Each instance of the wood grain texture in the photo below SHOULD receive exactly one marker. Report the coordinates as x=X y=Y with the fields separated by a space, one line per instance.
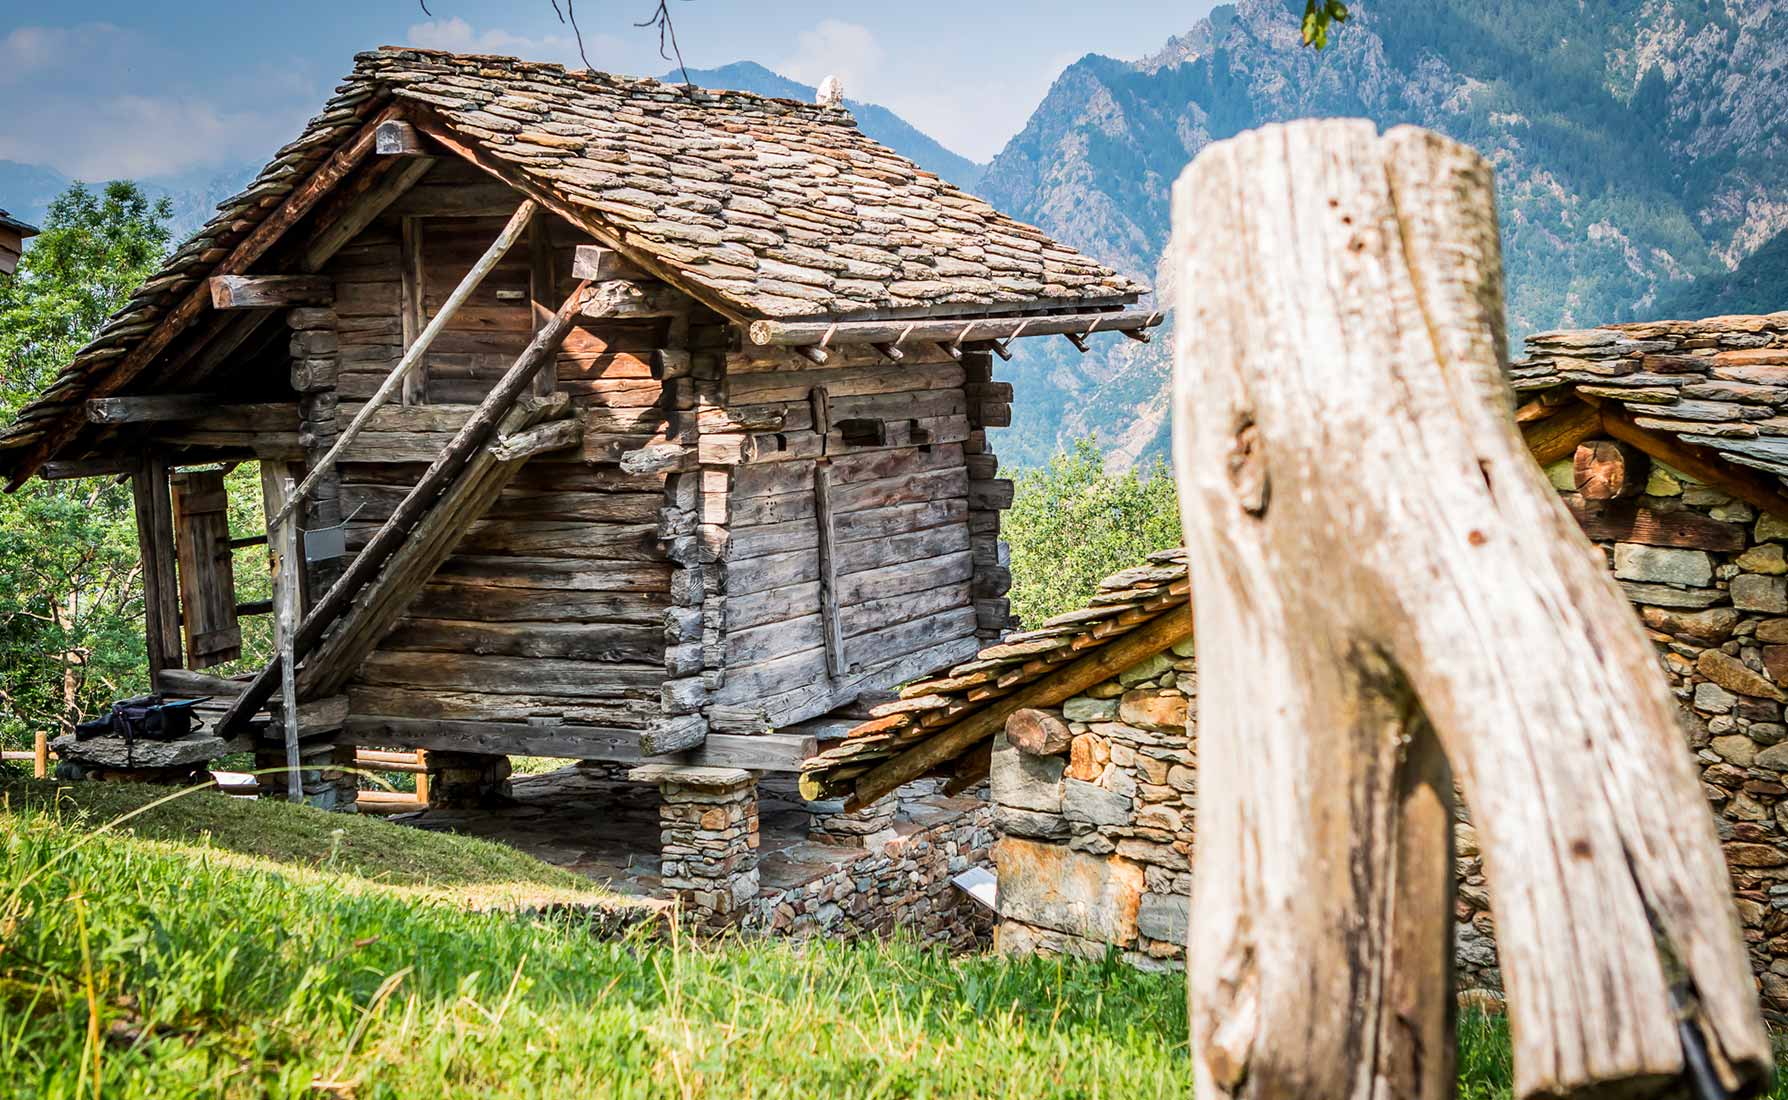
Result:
x=1339 y=339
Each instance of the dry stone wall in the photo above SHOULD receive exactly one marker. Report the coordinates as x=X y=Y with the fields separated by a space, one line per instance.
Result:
x=901 y=883
x=1096 y=840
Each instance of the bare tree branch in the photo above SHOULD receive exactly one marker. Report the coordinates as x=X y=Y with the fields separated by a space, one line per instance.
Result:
x=660 y=18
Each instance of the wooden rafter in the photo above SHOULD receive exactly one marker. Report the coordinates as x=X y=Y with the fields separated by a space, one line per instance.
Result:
x=197 y=302
x=430 y=125
x=1701 y=463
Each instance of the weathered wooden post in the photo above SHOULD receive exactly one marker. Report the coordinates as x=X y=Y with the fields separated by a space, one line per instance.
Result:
x=1386 y=586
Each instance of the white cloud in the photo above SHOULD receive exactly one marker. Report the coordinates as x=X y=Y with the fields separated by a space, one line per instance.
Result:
x=32 y=51
x=460 y=36
x=833 y=47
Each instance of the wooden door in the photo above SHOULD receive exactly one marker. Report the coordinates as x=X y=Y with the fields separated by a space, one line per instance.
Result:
x=207 y=575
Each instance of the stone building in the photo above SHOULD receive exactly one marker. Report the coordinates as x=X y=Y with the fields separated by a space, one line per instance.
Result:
x=1668 y=444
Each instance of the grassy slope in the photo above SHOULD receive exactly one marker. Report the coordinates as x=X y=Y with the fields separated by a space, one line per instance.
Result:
x=204 y=973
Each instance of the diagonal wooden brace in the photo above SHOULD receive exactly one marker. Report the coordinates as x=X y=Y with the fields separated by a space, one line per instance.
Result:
x=1385 y=585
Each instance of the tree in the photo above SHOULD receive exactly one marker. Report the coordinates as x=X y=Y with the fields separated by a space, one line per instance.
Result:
x=1072 y=524
x=70 y=586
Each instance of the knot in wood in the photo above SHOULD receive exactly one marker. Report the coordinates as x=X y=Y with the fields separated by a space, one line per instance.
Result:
x=1247 y=466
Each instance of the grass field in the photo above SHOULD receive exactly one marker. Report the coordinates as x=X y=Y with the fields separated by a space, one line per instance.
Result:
x=171 y=962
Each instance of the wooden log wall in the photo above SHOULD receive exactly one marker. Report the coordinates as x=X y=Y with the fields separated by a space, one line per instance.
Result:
x=554 y=607
x=989 y=406
x=902 y=547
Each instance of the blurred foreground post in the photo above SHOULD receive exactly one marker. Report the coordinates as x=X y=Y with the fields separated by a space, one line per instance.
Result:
x=1385 y=583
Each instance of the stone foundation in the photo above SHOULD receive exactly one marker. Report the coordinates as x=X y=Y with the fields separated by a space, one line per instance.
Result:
x=462 y=780
x=900 y=885
x=868 y=827
x=709 y=834
x=328 y=785
x=1097 y=839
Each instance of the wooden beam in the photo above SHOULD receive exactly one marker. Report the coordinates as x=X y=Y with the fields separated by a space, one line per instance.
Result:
x=359 y=203
x=952 y=332
x=1701 y=463
x=270 y=291
x=547 y=437
x=619 y=299
x=288 y=567
x=207 y=408
x=155 y=544
x=1606 y=469
x=1557 y=436
x=101 y=466
x=500 y=247
x=599 y=264
x=832 y=624
x=952 y=741
x=197 y=302
x=397 y=138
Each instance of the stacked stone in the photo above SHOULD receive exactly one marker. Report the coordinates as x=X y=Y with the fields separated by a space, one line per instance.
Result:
x=904 y=884
x=708 y=838
x=1098 y=837
x=869 y=827
x=466 y=780
x=329 y=784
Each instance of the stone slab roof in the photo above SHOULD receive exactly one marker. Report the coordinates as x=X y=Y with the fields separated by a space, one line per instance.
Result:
x=761 y=207
x=1720 y=382
x=1126 y=600
x=7 y=221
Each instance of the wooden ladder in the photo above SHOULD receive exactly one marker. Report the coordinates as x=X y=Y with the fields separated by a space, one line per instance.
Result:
x=461 y=484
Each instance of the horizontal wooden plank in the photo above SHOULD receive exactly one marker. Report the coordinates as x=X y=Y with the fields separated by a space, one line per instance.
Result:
x=623 y=643
x=509 y=675
x=1631 y=521
x=631 y=711
x=514 y=603
x=564 y=574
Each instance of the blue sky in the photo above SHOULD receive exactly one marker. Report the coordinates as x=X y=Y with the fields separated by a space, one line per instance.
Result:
x=108 y=88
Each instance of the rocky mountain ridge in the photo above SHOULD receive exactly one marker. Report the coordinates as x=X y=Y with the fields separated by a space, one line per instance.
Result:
x=1638 y=151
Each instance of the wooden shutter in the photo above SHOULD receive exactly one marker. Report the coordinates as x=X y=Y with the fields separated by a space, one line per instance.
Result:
x=207 y=576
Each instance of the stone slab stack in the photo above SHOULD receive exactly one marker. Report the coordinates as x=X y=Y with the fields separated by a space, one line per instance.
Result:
x=709 y=838
x=1097 y=837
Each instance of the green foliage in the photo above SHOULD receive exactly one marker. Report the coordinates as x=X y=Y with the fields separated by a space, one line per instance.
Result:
x=93 y=251
x=208 y=978
x=1318 y=18
x=1072 y=524
x=170 y=967
x=70 y=590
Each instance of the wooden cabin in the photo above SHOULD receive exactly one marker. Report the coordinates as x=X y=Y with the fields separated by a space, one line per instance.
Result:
x=645 y=421
x=12 y=241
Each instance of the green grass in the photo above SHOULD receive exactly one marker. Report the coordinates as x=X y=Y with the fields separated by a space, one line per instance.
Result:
x=166 y=966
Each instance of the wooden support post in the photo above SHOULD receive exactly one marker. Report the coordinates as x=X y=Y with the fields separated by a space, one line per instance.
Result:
x=831 y=623
x=1338 y=384
x=155 y=543
x=288 y=564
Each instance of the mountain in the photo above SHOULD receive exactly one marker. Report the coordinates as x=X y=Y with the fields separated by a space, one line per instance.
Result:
x=878 y=122
x=1638 y=146
x=28 y=189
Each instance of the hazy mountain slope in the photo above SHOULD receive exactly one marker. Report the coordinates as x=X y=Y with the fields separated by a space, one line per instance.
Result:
x=1638 y=147
x=878 y=122
x=28 y=189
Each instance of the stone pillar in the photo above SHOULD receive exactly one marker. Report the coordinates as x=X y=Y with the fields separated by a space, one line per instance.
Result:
x=466 y=780
x=328 y=784
x=830 y=824
x=708 y=829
